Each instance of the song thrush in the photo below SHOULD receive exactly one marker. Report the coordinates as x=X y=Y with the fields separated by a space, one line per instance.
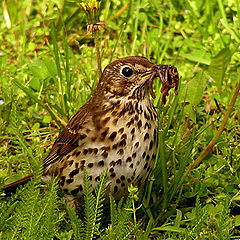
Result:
x=116 y=129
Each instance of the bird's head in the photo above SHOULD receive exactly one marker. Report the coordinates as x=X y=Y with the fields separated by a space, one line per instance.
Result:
x=128 y=76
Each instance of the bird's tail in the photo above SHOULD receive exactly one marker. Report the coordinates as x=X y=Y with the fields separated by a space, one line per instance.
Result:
x=11 y=187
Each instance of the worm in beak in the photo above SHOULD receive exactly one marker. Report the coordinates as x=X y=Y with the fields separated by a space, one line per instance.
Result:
x=169 y=78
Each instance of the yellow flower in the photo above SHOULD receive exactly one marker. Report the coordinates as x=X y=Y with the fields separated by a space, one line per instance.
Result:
x=92 y=10
x=90 y=7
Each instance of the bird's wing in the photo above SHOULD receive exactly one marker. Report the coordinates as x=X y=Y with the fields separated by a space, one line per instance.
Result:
x=68 y=139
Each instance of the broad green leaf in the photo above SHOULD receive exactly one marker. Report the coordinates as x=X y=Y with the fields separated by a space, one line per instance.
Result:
x=51 y=66
x=193 y=90
x=178 y=219
x=39 y=72
x=36 y=126
x=47 y=118
x=218 y=66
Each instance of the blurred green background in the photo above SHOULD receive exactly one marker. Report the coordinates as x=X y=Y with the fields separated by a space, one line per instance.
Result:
x=48 y=69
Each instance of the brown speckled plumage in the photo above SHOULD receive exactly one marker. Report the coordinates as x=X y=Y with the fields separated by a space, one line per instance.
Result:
x=116 y=129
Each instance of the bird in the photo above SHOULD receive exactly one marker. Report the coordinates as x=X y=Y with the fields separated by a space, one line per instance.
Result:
x=116 y=129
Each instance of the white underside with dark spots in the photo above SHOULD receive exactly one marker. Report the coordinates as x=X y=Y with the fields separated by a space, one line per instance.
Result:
x=126 y=144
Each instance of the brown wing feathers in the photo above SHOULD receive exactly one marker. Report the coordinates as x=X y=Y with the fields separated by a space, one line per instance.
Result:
x=65 y=143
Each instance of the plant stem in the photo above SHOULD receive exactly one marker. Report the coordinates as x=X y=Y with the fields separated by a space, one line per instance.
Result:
x=219 y=131
x=97 y=46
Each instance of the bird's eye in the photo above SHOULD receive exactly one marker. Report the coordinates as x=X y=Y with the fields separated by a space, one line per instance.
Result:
x=126 y=71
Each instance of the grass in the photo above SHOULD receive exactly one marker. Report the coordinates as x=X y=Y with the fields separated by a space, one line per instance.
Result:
x=48 y=69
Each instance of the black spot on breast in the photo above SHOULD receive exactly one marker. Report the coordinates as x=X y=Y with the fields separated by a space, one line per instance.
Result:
x=122 y=178
x=139 y=124
x=133 y=131
x=119 y=162
x=70 y=163
x=80 y=188
x=97 y=178
x=124 y=136
x=111 y=170
x=90 y=178
x=65 y=190
x=101 y=163
x=137 y=107
x=114 y=113
x=150 y=145
x=144 y=155
x=122 y=143
x=130 y=122
x=153 y=156
x=105 y=148
x=115 y=146
x=90 y=150
x=136 y=144
x=75 y=192
x=129 y=159
x=146 y=115
x=68 y=156
x=147 y=158
x=82 y=136
x=134 y=155
x=62 y=180
x=115 y=189
x=129 y=180
x=113 y=135
x=76 y=165
x=112 y=163
x=70 y=180
x=115 y=121
x=147 y=125
x=146 y=165
x=131 y=166
x=113 y=175
x=83 y=162
x=90 y=165
x=74 y=153
x=136 y=118
x=73 y=173
x=77 y=153
x=85 y=151
x=118 y=181
x=104 y=133
x=150 y=112
x=155 y=115
x=123 y=184
x=120 y=151
x=105 y=154
x=146 y=136
x=121 y=130
x=93 y=139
